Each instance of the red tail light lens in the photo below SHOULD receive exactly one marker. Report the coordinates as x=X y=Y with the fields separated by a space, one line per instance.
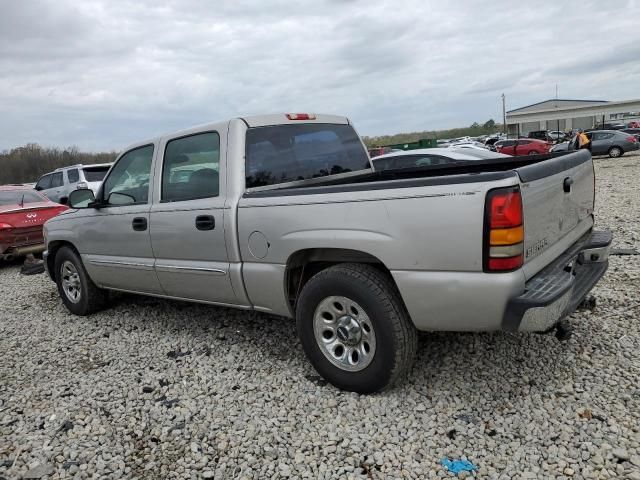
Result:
x=504 y=230
x=505 y=209
x=502 y=264
x=4 y=226
x=301 y=116
x=632 y=139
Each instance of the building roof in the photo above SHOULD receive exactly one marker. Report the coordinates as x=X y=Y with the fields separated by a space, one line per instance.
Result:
x=557 y=102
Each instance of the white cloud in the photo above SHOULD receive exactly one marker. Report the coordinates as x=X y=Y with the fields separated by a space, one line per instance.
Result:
x=101 y=74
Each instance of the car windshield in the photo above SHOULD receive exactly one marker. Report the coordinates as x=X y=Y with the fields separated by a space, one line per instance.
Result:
x=95 y=174
x=284 y=153
x=14 y=197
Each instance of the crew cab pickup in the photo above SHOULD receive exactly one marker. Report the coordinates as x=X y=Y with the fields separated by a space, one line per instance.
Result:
x=283 y=214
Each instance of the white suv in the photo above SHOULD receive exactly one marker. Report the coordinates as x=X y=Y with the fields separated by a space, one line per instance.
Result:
x=58 y=184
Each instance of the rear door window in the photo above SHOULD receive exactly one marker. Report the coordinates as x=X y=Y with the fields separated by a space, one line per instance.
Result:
x=191 y=168
x=286 y=153
x=57 y=180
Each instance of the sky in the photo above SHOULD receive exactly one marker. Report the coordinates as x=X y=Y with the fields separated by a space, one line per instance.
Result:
x=100 y=74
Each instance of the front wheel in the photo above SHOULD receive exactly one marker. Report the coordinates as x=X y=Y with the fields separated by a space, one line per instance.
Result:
x=78 y=292
x=354 y=328
x=615 y=152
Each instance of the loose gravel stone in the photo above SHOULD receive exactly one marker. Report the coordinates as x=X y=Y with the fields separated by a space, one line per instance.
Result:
x=234 y=397
x=621 y=454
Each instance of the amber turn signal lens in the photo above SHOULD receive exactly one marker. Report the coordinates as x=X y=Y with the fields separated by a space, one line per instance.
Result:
x=506 y=236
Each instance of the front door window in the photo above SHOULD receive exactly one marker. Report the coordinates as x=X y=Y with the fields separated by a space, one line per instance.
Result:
x=130 y=178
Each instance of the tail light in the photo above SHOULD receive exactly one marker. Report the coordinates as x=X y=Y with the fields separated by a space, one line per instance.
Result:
x=503 y=230
x=5 y=226
x=632 y=139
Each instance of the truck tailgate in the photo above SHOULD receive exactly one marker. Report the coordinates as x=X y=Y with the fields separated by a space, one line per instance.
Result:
x=557 y=198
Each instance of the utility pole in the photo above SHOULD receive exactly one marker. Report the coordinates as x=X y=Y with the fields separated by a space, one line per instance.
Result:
x=504 y=115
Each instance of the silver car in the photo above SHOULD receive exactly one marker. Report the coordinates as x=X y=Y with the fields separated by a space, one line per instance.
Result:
x=604 y=142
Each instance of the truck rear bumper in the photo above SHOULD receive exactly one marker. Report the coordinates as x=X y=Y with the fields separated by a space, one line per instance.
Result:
x=559 y=288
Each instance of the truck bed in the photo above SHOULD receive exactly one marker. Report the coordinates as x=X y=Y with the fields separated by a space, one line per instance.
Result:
x=529 y=167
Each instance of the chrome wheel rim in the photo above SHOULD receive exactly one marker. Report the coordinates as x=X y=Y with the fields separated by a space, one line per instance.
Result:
x=615 y=152
x=70 y=281
x=344 y=333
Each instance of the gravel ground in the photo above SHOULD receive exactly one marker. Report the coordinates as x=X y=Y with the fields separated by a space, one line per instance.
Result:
x=159 y=389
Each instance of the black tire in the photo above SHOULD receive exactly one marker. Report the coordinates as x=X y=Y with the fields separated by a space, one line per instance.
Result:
x=395 y=335
x=615 y=152
x=532 y=152
x=91 y=298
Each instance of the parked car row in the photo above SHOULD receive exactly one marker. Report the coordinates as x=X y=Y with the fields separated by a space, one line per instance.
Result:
x=429 y=157
x=24 y=208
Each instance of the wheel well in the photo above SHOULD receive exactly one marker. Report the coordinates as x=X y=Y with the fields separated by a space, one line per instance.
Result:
x=304 y=264
x=52 y=249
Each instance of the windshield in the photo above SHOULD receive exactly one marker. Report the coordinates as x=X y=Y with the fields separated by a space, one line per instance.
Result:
x=95 y=174
x=284 y=153
x=14 y=197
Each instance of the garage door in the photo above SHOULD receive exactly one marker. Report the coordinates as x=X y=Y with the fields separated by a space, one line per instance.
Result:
x=529 y=127
x=560 y=125
x=582 y=122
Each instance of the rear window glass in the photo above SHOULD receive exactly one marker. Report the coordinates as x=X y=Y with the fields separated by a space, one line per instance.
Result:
x=73 y=175
x=95 y=174
x=15 y=197
x=285 y=153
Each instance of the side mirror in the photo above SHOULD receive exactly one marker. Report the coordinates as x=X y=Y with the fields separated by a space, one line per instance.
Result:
x=38 y=188
x=117 y=198
x=81 y=198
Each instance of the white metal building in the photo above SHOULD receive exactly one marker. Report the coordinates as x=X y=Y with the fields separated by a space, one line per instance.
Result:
x=562 y=114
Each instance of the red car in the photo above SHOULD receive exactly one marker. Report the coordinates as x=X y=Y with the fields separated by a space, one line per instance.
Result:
x=523 y=146
x=23 y=212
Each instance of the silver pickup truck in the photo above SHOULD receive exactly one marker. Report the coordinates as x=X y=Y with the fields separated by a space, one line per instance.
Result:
x=284 y=214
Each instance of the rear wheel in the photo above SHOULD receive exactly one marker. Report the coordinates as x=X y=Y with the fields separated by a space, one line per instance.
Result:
x=78 y=292
x=355 y=329
x=533 y=152
x=615 y=152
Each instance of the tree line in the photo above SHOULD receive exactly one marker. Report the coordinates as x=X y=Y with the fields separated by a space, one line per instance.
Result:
x=474 y=130
x=28 y=163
